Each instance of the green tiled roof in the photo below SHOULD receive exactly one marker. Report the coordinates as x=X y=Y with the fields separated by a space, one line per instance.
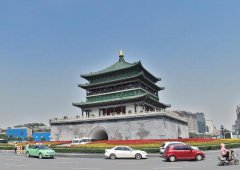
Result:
x=121 y=64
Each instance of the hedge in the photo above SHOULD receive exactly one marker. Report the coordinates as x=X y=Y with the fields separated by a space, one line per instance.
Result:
x=215 y=147
x=79 y=150
x=6 y=147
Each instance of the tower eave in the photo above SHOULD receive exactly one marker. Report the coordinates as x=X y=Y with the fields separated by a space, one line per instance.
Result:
x=144 y=97
x=155 y=79
x=111 y=69
x=140 y=75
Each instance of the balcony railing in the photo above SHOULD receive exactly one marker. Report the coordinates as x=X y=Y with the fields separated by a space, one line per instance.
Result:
x=117 y=116
x=119 y=88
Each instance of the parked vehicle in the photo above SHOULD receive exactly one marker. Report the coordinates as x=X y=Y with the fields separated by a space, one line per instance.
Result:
x=84 y=140
x=3 y=141
x=124 y=152
x=39 y=151
x=231 y=161
x=166 y=144
x=182 y=152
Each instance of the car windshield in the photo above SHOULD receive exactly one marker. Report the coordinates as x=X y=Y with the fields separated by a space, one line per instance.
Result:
x=118 y=148
x=42 y=147
x=3 y=141
x=163 y=145
x=75 y=141
x=85 y=140
x=167 y=148
x=126 y=149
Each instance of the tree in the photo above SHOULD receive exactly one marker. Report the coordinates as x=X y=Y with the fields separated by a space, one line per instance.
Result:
x=30 y=138
x=43 y=139
x=19 y=138
x=3 y=136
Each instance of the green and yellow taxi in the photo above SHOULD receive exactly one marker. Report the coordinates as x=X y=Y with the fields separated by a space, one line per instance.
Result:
x=40 y=151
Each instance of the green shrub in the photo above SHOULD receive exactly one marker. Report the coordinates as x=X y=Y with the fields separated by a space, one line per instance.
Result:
x=7 y=147
x=79 y=150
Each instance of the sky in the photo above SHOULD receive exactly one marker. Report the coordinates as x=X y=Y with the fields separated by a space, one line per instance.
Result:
x=194 y=46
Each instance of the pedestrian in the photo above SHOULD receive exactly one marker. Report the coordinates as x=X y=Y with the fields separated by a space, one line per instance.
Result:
x=15 y=147
x=27 y=145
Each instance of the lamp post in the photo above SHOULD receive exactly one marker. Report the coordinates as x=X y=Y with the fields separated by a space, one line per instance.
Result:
x=222 y=133
x=21 y=134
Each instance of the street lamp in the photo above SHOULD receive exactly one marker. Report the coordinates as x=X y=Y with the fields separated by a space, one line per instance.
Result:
x=222 y=132
x=21 y=134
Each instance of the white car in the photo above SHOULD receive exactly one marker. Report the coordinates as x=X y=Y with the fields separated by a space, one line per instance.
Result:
x=78 y=141
x=124 y=152
x=165 y=144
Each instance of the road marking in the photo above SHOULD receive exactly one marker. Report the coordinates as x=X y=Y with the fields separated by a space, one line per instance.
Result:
x=67 y=162
x=130 y=163
x=15 y=160
x=86 y=168
x=168 y=167
x=14 y=165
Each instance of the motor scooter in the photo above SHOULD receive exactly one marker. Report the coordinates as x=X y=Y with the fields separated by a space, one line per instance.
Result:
x=232 y=160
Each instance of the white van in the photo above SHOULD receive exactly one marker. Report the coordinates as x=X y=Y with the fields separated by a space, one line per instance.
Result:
x=84 y=140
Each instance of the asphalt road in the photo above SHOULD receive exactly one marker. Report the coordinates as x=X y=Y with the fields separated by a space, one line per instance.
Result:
x=10 y=161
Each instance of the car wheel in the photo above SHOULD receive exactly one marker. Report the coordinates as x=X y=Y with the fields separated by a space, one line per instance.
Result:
x=138 y=156
x=220 y=163
x=112 y=156
x=199 y=157
x=236 y=162
x=172 y=158
x=40 y=156
x=27 y=154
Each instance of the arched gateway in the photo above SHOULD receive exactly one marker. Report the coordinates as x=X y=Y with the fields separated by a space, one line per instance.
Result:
x=98 y=133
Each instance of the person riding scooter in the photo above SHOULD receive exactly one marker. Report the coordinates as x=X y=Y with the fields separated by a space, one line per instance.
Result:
x=224 y=152
x=228 y=157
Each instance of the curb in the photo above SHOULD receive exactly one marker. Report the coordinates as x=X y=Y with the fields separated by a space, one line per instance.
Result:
x=74 y=155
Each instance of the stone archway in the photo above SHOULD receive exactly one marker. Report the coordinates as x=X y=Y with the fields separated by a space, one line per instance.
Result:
x=99 y=133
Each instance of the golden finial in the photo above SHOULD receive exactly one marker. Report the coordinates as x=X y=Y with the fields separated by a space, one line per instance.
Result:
x=121 y=56
x=121 y=53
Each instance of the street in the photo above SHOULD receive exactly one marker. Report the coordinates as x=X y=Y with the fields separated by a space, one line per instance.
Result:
x=10 y=161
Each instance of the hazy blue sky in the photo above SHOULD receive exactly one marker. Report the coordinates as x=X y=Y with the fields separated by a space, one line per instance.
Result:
x=194 y=46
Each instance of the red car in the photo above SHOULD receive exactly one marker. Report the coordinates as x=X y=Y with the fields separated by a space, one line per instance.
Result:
x=182 y=152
